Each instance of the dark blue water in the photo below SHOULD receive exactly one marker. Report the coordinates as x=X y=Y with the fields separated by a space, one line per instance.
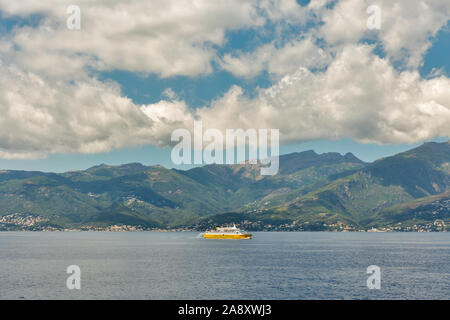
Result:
x=151 y=265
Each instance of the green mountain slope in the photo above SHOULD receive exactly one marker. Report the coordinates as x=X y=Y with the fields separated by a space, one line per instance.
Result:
x=356 y=197
x=432 y=209
x=311 y=190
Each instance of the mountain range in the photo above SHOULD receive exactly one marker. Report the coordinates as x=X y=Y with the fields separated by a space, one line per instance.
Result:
x=330 y=191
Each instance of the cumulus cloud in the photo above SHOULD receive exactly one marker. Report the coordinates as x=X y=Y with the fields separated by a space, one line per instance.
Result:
x=359 y=95
x=326 y=83
x=164 y=37
x=277 y=61
x=406 y=25
x=39 y=117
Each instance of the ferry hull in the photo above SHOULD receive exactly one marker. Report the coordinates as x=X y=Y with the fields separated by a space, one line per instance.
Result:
x=226 y=236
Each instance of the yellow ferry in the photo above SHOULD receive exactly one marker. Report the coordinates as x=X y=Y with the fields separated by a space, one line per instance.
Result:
x=227 y=233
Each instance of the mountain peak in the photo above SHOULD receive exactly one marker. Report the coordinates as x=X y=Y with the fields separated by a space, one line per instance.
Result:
x=133 y=165
x=292 y=162
x=351 y=157
x=98 y=166
x=436 y=152
x=308 y=152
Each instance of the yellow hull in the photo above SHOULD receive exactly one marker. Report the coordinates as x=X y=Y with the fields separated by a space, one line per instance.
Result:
x=226 y=236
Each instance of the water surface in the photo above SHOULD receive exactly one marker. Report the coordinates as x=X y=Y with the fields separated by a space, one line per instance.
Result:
x=156 y=265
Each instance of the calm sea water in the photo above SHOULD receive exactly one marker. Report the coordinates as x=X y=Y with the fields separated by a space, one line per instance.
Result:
x=151 y=265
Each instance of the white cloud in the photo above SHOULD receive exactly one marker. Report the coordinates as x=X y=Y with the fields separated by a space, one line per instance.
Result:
x=164 y=37
x=345 y=22
x=406 y=29
x=277 y=61
x=39 y=117
x=289 y=11
x=50 y=102
x=359 y=95
x=406 y=25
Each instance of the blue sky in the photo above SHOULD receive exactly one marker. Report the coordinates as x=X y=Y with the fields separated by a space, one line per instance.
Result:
x=148 y=87
x=151 y=155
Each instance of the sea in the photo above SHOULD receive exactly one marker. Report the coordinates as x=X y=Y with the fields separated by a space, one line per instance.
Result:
x=182 y=265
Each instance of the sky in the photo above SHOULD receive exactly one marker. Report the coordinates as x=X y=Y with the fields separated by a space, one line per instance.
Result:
x=115 y=89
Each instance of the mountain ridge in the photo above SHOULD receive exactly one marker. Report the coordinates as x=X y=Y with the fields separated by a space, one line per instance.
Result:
x=328 y=189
